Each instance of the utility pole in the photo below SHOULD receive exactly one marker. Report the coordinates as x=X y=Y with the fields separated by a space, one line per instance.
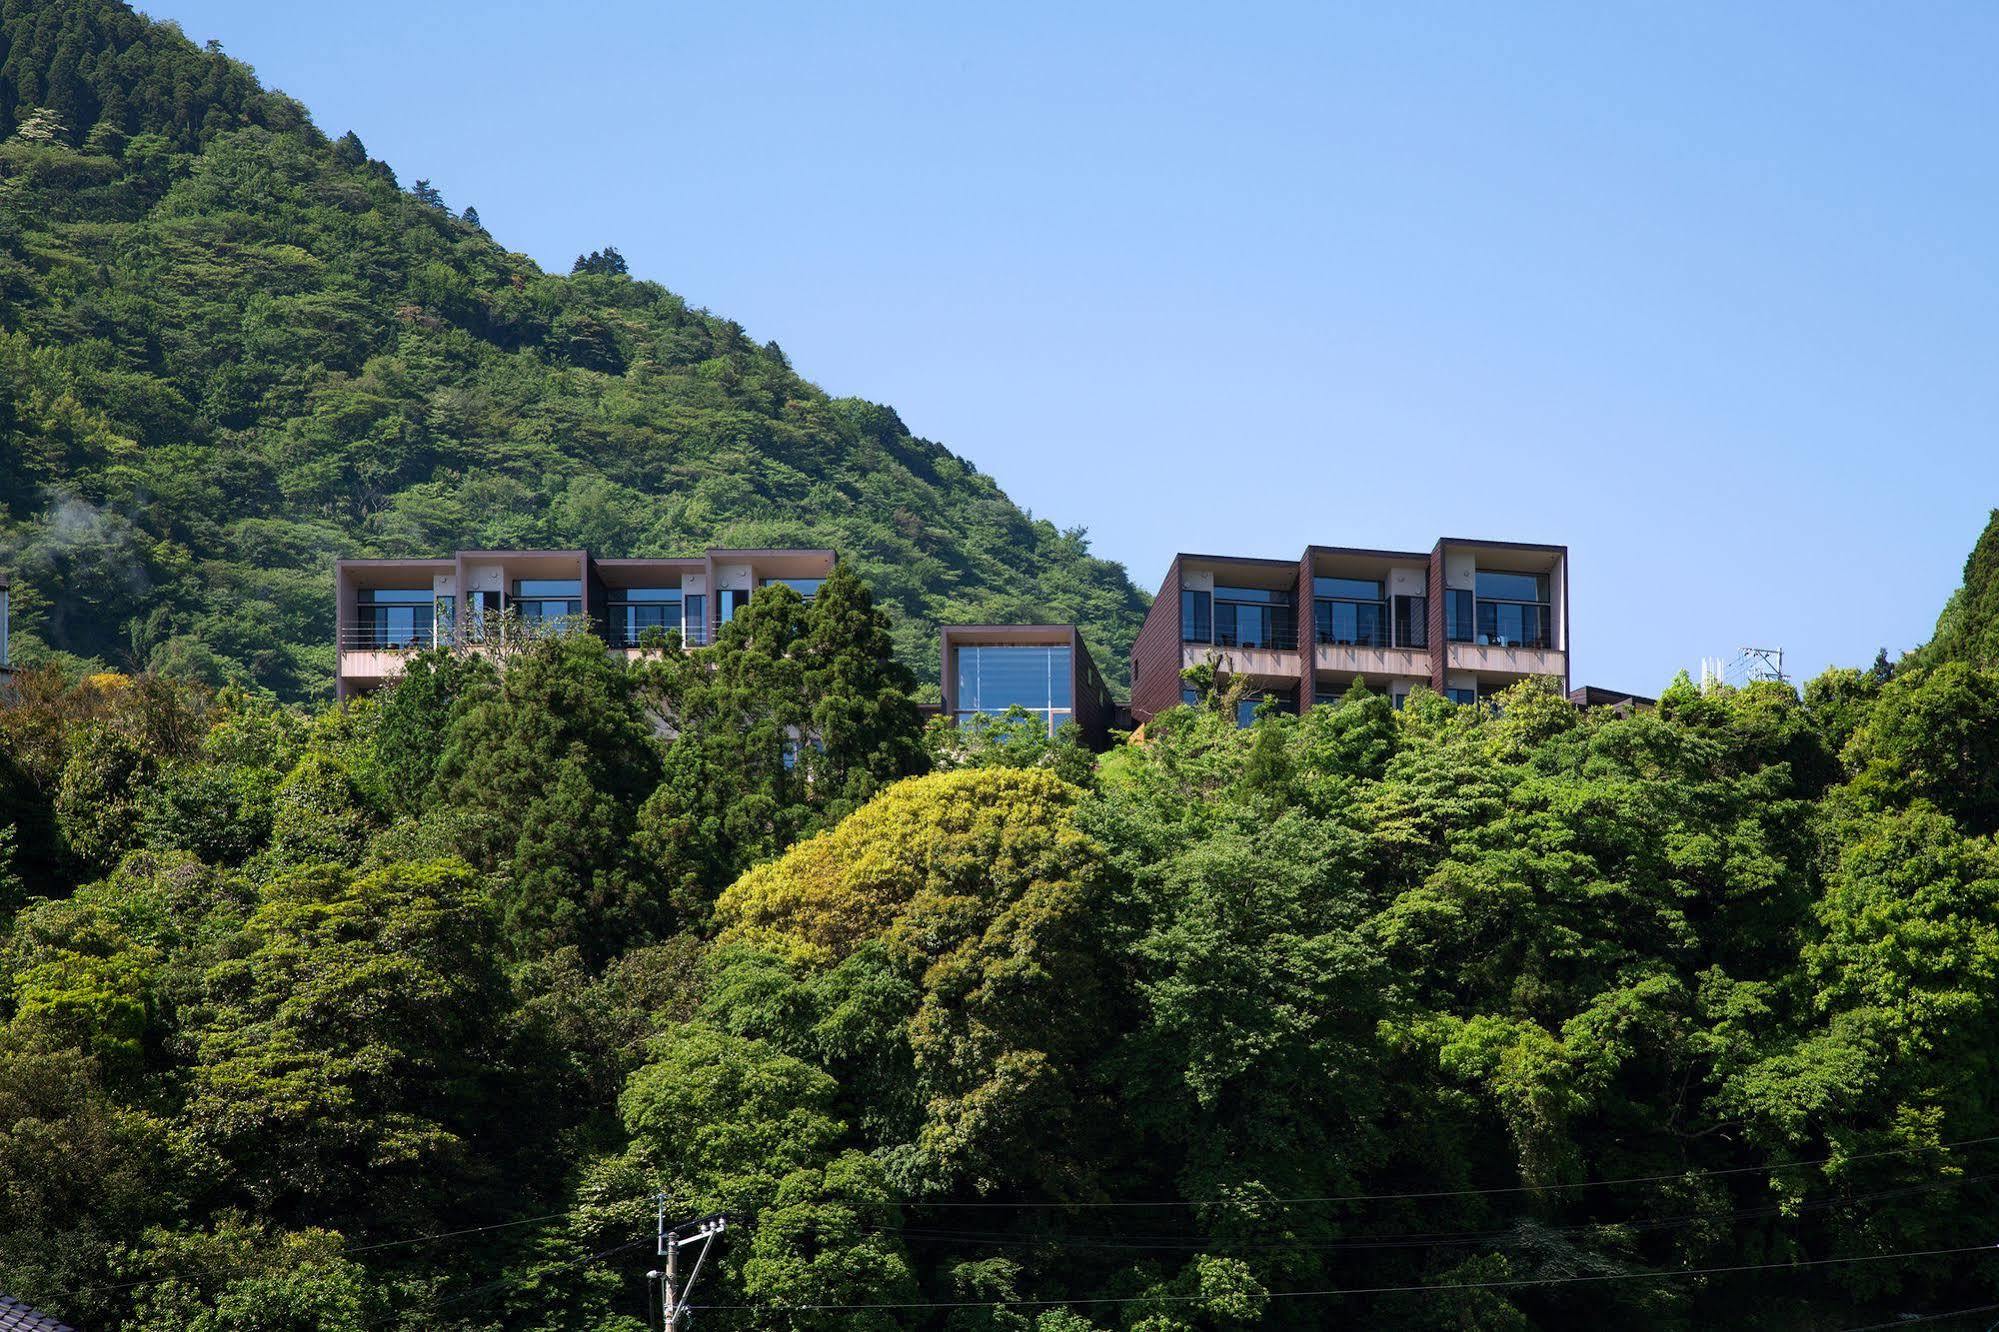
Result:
x=674 y=1310
x=1765 y=664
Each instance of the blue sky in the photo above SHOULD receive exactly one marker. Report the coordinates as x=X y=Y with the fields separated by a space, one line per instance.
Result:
x=1706 y=292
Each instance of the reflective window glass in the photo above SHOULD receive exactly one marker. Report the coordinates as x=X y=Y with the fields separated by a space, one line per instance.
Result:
x=1196 y=617
x=1347 y=589
x=1501 y=586
x=1458 y=626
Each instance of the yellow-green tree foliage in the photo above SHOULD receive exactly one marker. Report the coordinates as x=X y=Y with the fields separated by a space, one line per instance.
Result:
x=975 y=892
x=935 y=865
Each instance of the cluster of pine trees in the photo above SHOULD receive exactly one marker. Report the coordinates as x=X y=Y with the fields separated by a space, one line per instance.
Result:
x=233 y=349
x=402 y=1014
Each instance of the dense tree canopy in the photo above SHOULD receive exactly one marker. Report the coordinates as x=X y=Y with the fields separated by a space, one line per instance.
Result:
x=1503 y=1015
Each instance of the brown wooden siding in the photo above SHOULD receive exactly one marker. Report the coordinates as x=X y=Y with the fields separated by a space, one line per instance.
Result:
x=1155 y=654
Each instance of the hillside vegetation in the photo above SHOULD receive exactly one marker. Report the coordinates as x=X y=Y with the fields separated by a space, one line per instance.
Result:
x=233 y=349
x=1498 y=1020
x=1968 y=629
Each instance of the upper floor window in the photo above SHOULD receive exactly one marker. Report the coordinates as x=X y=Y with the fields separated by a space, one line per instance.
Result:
x=1498 y=585
x=395 y=617
x=1349 y=610
x=547 y=599
x=1458 y=619
x=1256 y=617
x=995 y=677
x=1412 y=621
x=1197 y=623
x=637 y=609
x=804 y=587
x=1513 y=609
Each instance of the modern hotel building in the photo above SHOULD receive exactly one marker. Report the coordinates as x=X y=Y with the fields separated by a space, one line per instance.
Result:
x=388 y=607
x=1466 y=619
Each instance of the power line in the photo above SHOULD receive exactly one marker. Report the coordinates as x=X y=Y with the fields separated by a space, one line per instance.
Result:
x=1470 y=1193
x=364 y=1248
x=1926 y=1318
x=1412 y=1239
x=539 y=1273
x=454 y=1234
x=1513 y=1284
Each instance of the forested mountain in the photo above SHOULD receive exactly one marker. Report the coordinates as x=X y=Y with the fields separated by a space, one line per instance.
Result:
x=1968 y=629
x=232 y=348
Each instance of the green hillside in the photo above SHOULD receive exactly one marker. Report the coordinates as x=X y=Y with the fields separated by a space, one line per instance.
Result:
x=233 y=349
x=1968 y=629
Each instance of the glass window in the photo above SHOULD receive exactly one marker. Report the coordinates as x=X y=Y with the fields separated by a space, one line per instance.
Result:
x=804 y=587
x=694 y=631
x=728 y=601
x=479 y=608
x=1495 y=585
x=1245 y=709
x=1347 y=589
x=1458 y=615
x=1255 y=617
x=637 y=609
x=1511 y=624
x=395 y=617
x=539 y=600
x=1412 y=622
x=1267 y=596
x=994 y=677
x=1461 y=695
x=1190 y=696
x=1196 y=617
x=1356 y=622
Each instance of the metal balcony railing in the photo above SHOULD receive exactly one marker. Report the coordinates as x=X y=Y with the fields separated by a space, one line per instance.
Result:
x=372 y=638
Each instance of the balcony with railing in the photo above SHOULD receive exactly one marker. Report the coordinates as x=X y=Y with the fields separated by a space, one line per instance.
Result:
x=1254 y=628
x=1505 y=624
x=1359 y=630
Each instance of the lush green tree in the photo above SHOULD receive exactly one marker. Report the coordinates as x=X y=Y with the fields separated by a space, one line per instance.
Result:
x=789 y=720
x=340 y=1069
x=1934 y=735
x=548 y=765
x=980 y=891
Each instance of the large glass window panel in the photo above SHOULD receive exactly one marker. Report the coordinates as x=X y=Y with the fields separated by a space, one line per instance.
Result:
x=728 y=601
x=694 y=625
x=997 y=677
x=1412 y=622
x=993 y=678
x=395 y=616
x=1196 y=617
x=1350 y=622
x=1347 y=589
x=637 y=609
x=1245 y=709
x=540 y=600
x=1511 y=624
x=1255 y=617
x=804 y=587
x=1458 y=627
x=1498 y=585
